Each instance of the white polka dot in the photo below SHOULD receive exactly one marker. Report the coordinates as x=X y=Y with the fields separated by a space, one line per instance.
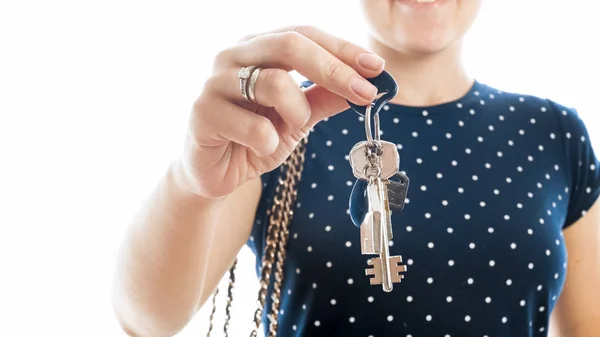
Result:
x=508 y=180
x=461 y=123
x=488 y=300
x=351 y=320
x=330 y=167
x=461 y=190
x=349 y=183
x=541 y=309
x=344 y=132
x=472 y=112
x=480 y=139
x=415 y=134
x=556 y=276
x=409 y=298
x=333 y=301
x=423 y=188
x=511 y=108
x=314 y=285
x=530 y=265
x=513 y=245
x=448 y=135
x=297 y=270
x=409 y=228
x=472 y=245
x=467 y=318
x=467 y=216
x=506 y=217
x=317 y=323
x=548 y=252
x=430 y=280
x=499 y=154
x=390 y=318
x=451 y=263
x=445 y=202
x=427 y=215
x=419 y=161
x=519 y=205
x=434 y=148
x=492 y=263
x=539 y=288
x=330 y=197
x=496 y=192
x=468 y=151
x=508 y=282
x=309 y=248
x=430 y=245
x=504 y=319
x=429 y=122
x=459 y=105
x=350 y=281
x=491 y=128
x=327 y=228
x=439 y=176
x=491 y=230
x=328 y=264
x=475 y=178
x=313 y=185
x=428 y=318
x=519 y=168
x=454 y=163
x=370 y=299
x=450 y=230
x=532 y=121
x=348 y=244
x=511 y=143
x=470 y=281
x=482 y=203
x=311 y=215
x=488 y=165
x=399 y=146
x=530 y=231
x=449 y=299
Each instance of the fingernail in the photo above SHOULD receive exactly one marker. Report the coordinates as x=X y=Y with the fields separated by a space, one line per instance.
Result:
x=363 y=88
x=370 y=61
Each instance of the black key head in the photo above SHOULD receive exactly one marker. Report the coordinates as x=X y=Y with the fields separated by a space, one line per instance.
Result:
x=387 y=88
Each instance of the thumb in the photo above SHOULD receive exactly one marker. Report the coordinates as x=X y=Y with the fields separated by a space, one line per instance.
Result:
x=323 y=104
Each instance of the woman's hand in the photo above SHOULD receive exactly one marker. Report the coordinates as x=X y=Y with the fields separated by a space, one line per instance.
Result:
x=231 y=140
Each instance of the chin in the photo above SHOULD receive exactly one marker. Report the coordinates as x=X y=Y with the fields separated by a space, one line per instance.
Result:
x=421 y=43
x=419 y=26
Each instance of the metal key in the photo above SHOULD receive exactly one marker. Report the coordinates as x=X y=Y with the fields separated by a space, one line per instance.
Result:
x=388 y=160
x=397 y=191
x=370 y=229
x=384 y=269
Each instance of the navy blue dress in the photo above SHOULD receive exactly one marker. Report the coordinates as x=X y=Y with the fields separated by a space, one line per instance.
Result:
x=495 y=178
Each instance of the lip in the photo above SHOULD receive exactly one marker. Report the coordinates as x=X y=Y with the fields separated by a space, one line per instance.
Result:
x=423 y=5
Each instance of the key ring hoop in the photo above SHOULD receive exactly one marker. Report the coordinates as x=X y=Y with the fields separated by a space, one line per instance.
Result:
x=373 y=136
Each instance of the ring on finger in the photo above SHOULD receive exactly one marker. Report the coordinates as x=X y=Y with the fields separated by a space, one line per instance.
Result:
x=243 y=75
x=252 y=84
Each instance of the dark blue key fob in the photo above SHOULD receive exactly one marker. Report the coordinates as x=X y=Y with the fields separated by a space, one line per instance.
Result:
x=359 y=202
x=387 y=88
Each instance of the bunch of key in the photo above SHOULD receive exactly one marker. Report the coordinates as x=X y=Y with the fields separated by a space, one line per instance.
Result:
x=380 y=188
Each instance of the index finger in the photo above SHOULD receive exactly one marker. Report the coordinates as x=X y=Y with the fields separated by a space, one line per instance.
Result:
x=366 y=63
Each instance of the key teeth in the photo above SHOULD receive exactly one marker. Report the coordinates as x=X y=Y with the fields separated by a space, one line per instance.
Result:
x=396 y=268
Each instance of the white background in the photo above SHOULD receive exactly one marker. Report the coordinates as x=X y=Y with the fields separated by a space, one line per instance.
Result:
x=94 y=96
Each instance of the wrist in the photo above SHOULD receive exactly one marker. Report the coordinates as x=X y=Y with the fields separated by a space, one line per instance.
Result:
x=181 y=184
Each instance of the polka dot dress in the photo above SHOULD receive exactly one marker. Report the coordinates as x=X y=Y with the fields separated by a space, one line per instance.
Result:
x=495 y=178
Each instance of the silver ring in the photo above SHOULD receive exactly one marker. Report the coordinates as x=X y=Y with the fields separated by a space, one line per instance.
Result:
x=252 y=85
x=244 y=75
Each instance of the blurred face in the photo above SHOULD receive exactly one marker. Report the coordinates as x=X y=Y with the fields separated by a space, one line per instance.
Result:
x=419 y=26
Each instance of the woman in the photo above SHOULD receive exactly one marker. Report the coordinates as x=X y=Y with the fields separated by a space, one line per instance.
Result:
x=499 y=184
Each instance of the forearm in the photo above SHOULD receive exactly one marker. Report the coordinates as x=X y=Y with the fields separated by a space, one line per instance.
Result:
x=163 y=260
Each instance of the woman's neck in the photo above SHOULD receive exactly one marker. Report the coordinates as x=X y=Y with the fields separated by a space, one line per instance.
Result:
x=426 y=80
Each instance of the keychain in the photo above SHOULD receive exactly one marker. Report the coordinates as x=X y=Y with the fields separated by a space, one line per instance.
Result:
x=379 y=189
